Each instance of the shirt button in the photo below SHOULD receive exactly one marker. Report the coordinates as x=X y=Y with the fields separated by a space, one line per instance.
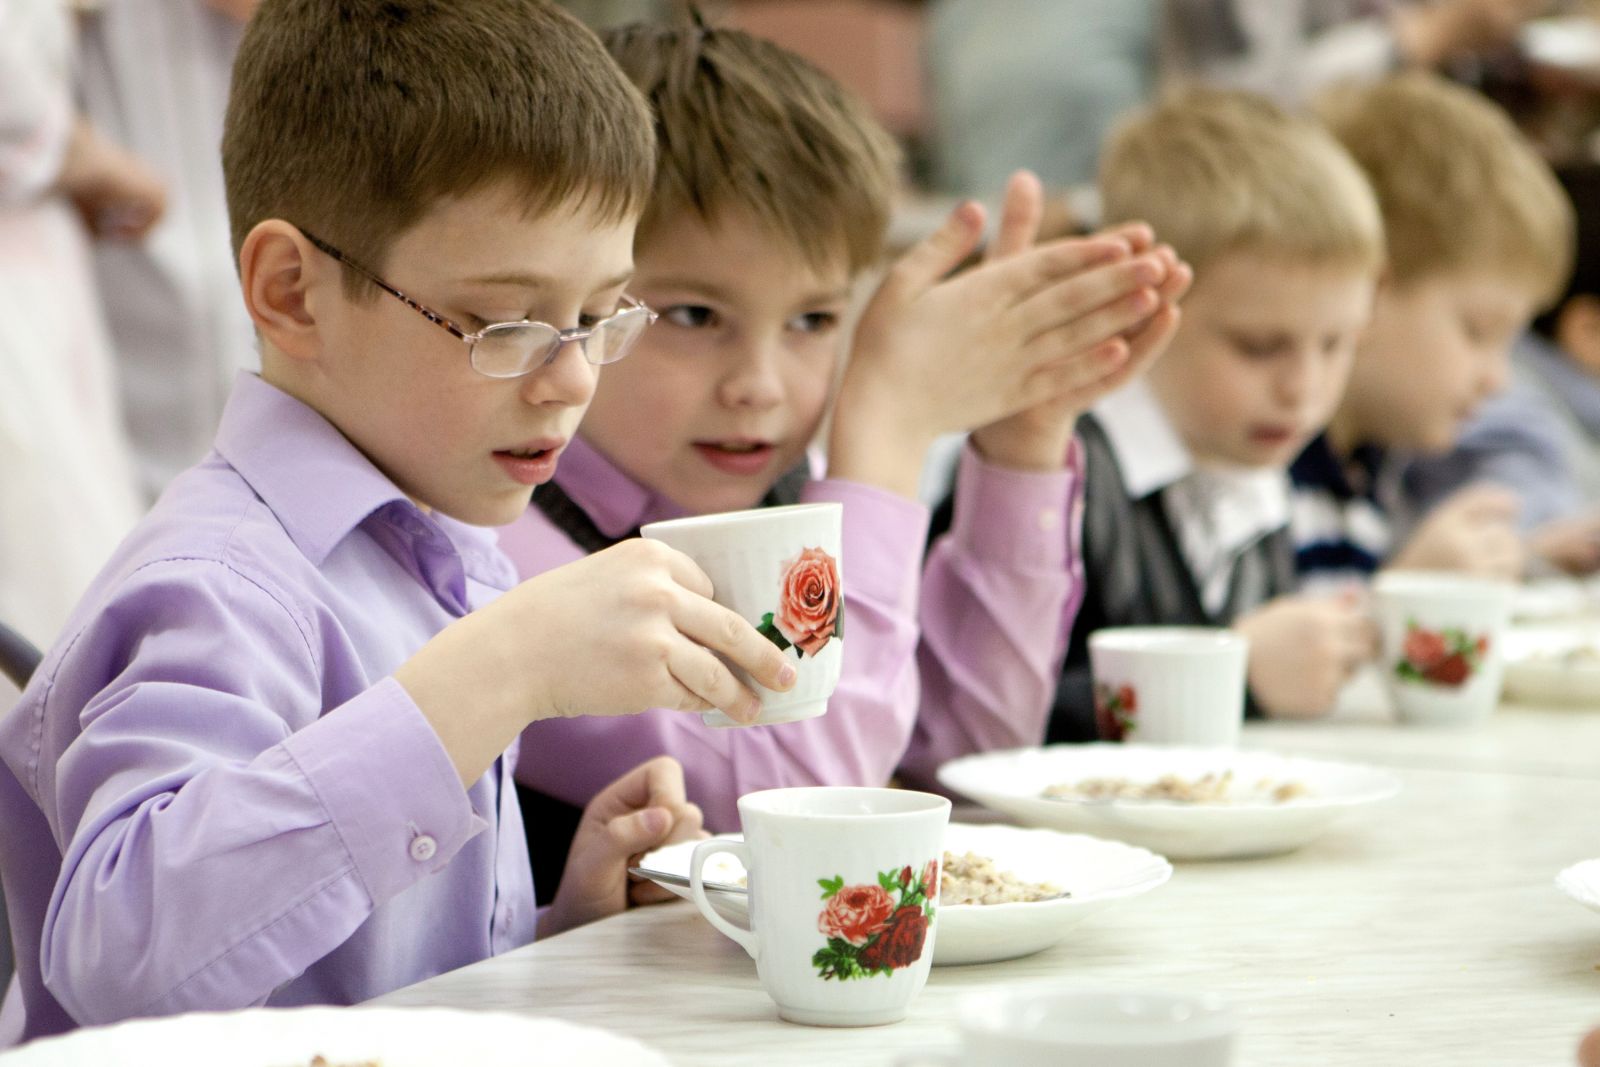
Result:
x=1047 y=519
x=423 y=846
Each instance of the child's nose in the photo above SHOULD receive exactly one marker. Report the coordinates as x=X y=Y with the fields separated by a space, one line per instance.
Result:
x=752 y=377
x=568 y=379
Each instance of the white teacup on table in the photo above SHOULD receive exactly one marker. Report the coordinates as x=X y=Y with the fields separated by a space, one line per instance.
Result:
x=1169 y=685
x=843 y=898
x=1442 y=643
x=1091 y=1028
x=780 y=568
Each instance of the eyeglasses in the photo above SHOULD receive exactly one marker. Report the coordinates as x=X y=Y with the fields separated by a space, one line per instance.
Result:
x=512 y=349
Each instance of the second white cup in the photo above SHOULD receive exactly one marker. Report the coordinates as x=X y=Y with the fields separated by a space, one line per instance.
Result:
x=1169 y=685
x=781 y=569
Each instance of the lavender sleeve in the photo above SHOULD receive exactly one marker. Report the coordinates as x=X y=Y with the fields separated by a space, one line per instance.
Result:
x=998 y=598
x=857 y=742
x=219 y=833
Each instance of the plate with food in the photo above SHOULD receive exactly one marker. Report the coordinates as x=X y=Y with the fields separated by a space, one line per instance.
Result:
x=1553 y=665
x=1004 y=891
x=1185 y=803
x=1581 y=882
x=337 y=1037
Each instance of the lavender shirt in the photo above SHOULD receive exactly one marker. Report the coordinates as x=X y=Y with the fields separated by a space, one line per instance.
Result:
x=213 y=794
x=974 y=639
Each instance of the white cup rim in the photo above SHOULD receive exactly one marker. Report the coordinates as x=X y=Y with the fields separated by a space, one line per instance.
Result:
x=745 y=517
x=902 y=803
x=1168 y=640
x=1440 y=584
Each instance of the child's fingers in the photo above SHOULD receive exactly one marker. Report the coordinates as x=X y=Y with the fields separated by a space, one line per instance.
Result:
x=1486 y=502
x=939 y=253
x=1078 y=299
x=1138 y=235
x=1016 y=280
x=708 y=683
x=1019 y=217
x=708 y=623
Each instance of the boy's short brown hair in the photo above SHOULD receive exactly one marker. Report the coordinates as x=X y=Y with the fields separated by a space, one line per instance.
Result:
x=1459 y=187
x=352 y=118
x=1216 y=171
x=745 y=124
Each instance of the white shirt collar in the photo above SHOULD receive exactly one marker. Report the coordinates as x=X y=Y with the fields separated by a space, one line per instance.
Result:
x=1218 y=511
x=1150 y=454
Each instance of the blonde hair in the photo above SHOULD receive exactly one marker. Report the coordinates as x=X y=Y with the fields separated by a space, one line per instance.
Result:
x=744 y=124
x=351 y=119
x=1459 y=187
x=1216 y=171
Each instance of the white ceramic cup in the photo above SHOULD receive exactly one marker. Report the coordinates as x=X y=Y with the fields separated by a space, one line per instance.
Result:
x=1092 y=1028
x=1442 y=636
x=843 y=898
x=1169 y=685
x=781 y=569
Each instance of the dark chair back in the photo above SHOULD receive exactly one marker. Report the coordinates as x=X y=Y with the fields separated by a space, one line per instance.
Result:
x=18 y=656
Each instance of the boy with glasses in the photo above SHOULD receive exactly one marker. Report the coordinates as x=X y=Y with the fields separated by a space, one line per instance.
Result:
x=771 y=200
x=269 y=762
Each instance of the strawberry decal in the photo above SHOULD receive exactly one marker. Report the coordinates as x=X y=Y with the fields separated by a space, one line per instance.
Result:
x=1447 y=657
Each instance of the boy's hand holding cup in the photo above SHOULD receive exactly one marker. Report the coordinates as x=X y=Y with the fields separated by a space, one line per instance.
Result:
x=780 y=569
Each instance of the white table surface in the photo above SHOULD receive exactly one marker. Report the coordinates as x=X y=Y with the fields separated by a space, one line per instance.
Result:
x=1515 y=739
x=1425 y=930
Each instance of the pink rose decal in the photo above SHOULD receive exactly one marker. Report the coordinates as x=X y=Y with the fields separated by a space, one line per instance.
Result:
x=855 y=913
x=873 y=929
x=810 y=605
x=1447 y=657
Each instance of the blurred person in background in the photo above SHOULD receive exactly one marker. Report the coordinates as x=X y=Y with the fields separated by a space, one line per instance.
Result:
x=66 y=485
x=153 y=75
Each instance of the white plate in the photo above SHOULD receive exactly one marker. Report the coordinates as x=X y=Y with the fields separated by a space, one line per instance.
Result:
x=1013 y=782
x=1097 y=873
x=1553 y=598
x=1538 y=672
x=290 y=1037
x=1581 y=882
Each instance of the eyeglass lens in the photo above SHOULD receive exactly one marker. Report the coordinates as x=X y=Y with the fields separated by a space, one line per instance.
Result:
x=508 y=351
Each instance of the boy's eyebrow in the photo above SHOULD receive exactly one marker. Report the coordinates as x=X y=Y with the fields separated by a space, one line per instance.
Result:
x=525 y=280
x=717 y=292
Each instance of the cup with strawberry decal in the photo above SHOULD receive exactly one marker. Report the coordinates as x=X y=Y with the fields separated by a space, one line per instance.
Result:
x=844 y=898
x=1442 y=636
x=1169 y=685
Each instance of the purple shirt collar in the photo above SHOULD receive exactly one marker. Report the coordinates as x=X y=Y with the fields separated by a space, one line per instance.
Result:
x=321 y=487
x=617 y=504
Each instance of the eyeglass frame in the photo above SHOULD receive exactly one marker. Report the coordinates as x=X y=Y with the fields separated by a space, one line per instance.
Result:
x=562 y=337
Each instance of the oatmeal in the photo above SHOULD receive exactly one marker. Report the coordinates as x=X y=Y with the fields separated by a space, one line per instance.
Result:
x=1208 y=788
x=974 y=879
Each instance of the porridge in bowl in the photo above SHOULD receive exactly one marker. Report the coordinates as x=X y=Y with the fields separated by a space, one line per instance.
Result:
x=973 y=879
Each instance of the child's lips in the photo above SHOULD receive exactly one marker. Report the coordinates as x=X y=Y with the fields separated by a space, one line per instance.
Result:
x=737 y=456
x=532 y=463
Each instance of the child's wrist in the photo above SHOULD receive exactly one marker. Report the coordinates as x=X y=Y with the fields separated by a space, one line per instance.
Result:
x=1025 y=448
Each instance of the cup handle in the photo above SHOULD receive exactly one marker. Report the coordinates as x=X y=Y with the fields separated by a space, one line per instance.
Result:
x=697 y=889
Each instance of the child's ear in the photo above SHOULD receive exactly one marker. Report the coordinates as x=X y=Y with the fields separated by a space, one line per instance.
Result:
x=278 y=269
x=1578 y=330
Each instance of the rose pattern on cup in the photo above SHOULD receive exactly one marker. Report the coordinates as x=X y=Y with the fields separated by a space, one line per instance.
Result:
x=1116 y=710
x=873 y=929
x=1447 y=657
x=810 y=609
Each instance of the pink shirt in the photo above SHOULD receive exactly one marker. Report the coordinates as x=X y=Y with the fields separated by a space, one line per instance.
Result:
x=974 y=639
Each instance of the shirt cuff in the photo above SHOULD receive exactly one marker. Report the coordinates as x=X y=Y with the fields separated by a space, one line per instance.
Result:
x=1020 y=519
x=388 y=786
x=885 y=538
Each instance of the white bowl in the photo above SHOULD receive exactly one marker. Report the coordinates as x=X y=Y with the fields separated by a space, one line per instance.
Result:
x=1013 y=781
x=1540 y=669
x=1096 y=873
x=1581 y=882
